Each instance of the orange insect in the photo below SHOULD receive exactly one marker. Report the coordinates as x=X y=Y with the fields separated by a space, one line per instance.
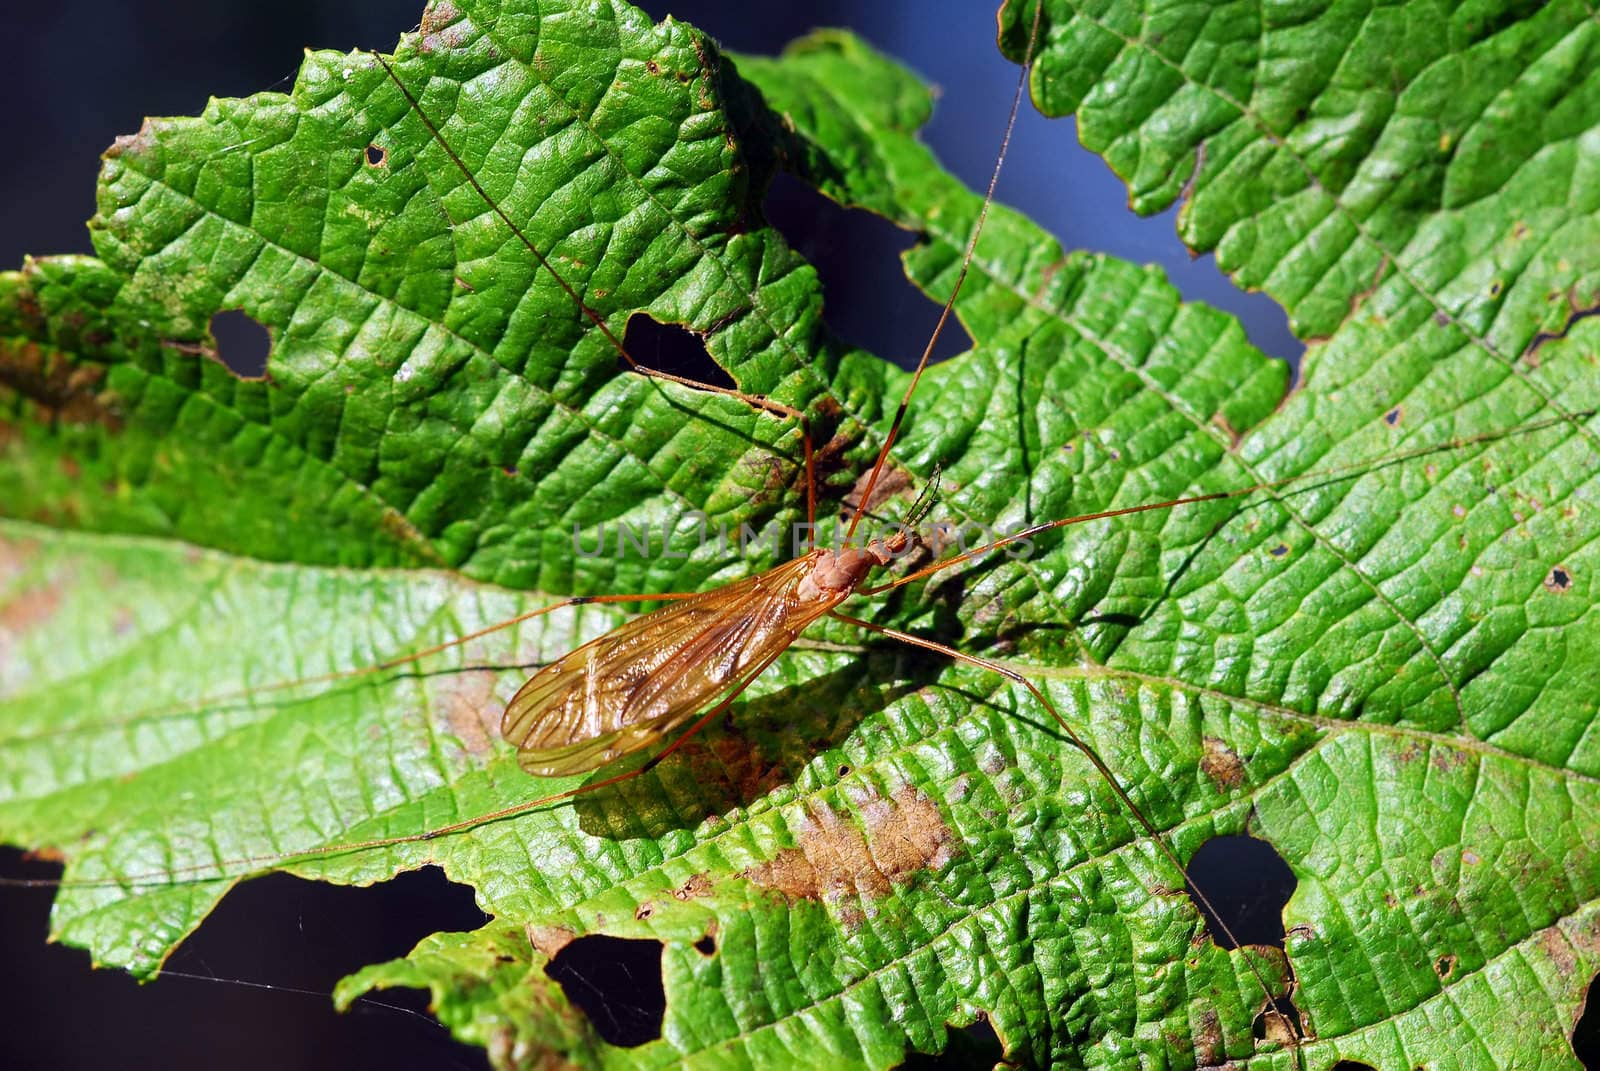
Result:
x=671 y=672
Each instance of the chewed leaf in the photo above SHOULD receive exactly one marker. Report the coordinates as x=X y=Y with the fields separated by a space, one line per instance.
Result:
x=1385 y=673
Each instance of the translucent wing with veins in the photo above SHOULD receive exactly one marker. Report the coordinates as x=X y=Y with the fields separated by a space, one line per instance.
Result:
x=653 y=674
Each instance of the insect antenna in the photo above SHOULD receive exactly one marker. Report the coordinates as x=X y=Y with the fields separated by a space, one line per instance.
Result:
x=961 y=276
x=926 y=500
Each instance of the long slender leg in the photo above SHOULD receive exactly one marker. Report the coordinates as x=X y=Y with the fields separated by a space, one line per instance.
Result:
x=961 y=278
x=758 y=401
x=169 y=709
x=1340 y=472
x=1094 y=758
x=244 y=866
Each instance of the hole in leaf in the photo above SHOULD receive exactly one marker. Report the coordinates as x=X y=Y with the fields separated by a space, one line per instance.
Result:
x=1278 y=1021
x=275 y=932
x=377 y=156
x=1558 y=580
x=1586 y=1032
x=242 y=343
x=1392 y=417
x=1248 y=884
x=706 y=946
x=1352 y=1065
x=616 y=982
x=1444 y=967
x=866 y=298
x=674 y=349
x=975 y=1046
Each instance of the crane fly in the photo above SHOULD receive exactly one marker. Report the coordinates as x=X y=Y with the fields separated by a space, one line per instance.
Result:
x=650 y=676
x=663 y=676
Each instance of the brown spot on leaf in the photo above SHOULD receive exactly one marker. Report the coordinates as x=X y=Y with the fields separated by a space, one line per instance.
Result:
x=644 y=911
x=789 y=872
x=775 y=477
x=133 y=144
x=436 y=17
x=836 y=858
x=466 y=701
x=1394 y=416
x=63 y=390
x=697 y=886
x=1209 y=1050
x=1411 y=752
x=16 y=555
x=1222 y=765
x=29 y=608
x=1559 y=950
x=397 y=526
x=1219 y=420
x=1047 y=277
x=445 y=32
x=830 y=457
x=549 y=940
x=1360 y=298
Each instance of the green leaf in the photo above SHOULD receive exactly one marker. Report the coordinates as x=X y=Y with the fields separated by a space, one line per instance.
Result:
x=1388 y=675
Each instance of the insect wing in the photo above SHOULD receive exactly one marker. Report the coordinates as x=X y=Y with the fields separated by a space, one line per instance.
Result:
x=648 y=676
